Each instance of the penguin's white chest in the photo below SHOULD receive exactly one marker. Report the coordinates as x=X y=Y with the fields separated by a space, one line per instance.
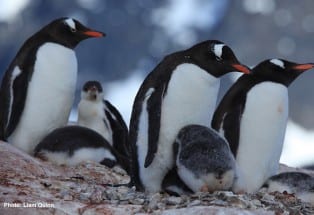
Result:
x=92 y=115
x=50 y=95
x=190 y=99
x=262 y=131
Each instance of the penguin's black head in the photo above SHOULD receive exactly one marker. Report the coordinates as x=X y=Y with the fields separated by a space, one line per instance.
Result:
x=281 y=71
x=216 y=58
x=68 y=32
x=92 y=90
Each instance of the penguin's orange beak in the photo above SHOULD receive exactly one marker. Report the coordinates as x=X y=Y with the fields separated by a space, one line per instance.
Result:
x=92 y=33
x=303 y=67
x=241 y=68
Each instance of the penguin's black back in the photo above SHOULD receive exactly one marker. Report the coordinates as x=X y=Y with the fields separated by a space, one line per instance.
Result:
x=296 y=176
x=71 y=138
x=300 y=180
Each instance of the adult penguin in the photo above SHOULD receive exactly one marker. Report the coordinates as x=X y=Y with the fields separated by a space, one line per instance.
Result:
x=253 y=116
x=181 y=90
x=37 y=90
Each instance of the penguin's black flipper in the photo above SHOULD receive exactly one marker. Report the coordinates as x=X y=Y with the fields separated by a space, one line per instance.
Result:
x=154 y=113
x=120 y=134
x=227 y=116
x=12 y=101
x=231 y=127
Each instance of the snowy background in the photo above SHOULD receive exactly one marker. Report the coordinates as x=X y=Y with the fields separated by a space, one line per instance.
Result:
x=141 y=32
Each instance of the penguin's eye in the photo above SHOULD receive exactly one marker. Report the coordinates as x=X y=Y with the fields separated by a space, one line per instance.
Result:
x=73 y=30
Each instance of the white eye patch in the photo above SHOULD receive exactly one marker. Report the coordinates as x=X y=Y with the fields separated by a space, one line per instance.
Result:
x=217 y=49
x=70 y=23
x=278 y=62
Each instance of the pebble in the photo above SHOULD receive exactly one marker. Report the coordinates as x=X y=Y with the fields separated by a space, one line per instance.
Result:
x=68 y=197
x=96 y=196
x=194 y=203
x=154 y=200
x=238 y=202
x=256 y=202
x=268 y=198
x=137 y=201
x=219 y=202
x=174 y=200
x=161 y=206
x=84 y=196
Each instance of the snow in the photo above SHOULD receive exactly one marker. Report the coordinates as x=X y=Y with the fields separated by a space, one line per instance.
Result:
x=286 y=46
x=180 y=19
x=92 y=5
x=299 y=146
x=10 y=9
x=259 y=6
x=122 y=93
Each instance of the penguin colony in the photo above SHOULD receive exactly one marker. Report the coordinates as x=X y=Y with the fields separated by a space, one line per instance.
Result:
x=179 y=140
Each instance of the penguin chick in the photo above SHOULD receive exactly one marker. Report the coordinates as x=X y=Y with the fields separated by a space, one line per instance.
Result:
x=38 y=88
x=298 y=183
x=101 y=116
x=253 y=115
x=181 y=90
x=173 y=185
x=203 y=159
x=71 y=145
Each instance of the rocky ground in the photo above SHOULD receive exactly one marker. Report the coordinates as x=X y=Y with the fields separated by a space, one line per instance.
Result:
x=30 y=186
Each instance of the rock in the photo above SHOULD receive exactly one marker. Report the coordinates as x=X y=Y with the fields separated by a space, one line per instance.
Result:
x=194 y=203
x=174 y=200
x=30 y=186
x=212 y=210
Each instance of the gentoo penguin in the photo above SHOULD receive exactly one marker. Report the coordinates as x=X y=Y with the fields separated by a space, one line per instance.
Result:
x=204 y=161
x=252 y=116
x=71 y=145
x=100 y=115
x=37 y=90
x=298 y=183
x=181 y=90
x=173 y=184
